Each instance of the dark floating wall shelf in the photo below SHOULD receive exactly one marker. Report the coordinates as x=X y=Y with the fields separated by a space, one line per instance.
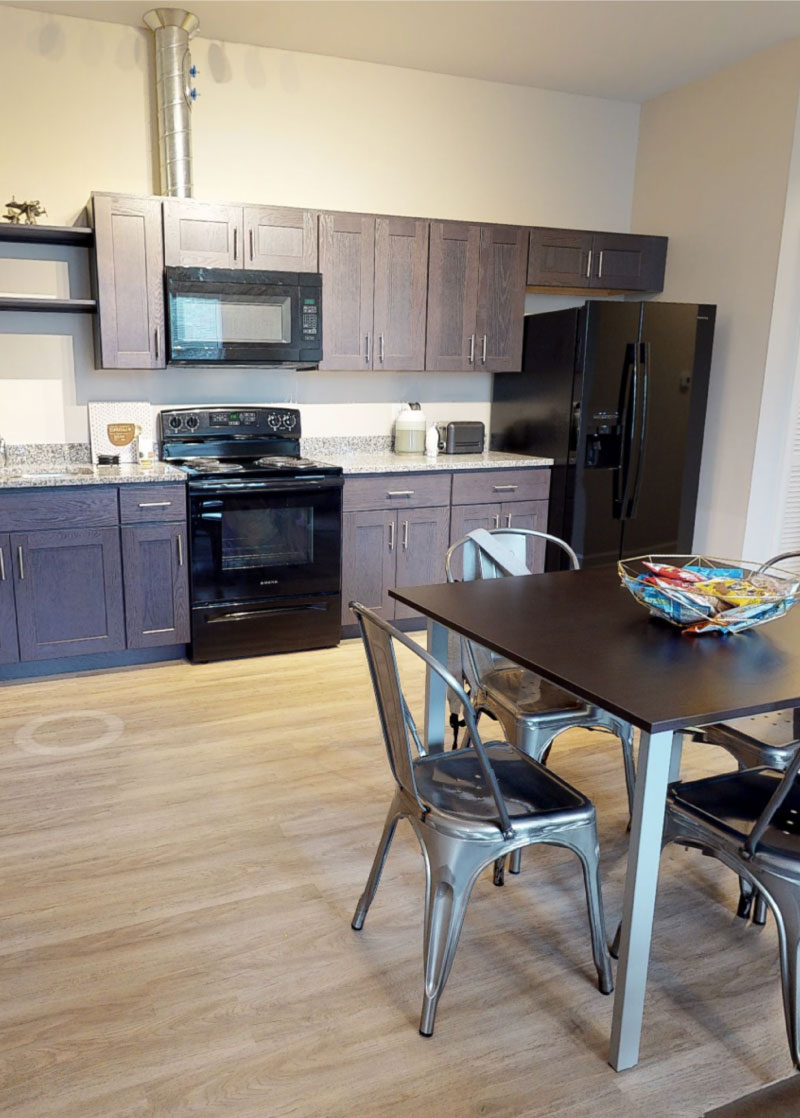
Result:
x=78 y=235
x=38 y=303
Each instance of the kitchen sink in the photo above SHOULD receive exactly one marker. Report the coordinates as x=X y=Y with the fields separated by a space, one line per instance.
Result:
x=33 y=475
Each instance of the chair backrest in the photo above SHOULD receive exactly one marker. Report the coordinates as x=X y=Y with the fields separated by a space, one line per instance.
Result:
x=782 y=790
x=496 y=553
x=397 y=723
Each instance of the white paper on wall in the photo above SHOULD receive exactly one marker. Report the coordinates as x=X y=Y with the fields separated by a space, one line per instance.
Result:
x=115 y=427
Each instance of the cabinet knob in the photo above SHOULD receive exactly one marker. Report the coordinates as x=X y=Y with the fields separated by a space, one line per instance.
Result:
x=391 y=535
x=589 y=265
x=472 y=349
x=180 y=550
x=2 y=567
x=405 y=535
x=21 y=562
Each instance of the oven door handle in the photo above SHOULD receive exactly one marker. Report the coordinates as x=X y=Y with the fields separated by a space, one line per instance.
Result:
x=265 y=611
x=295 y=485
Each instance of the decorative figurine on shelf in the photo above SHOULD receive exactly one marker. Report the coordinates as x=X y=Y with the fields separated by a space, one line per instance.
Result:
x=23 y=212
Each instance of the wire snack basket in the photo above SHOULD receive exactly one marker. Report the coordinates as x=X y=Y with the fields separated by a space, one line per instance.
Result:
x=701 y=594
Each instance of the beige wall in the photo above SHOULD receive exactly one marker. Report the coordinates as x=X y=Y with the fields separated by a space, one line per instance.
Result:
x=712 y=171
x=301 y=130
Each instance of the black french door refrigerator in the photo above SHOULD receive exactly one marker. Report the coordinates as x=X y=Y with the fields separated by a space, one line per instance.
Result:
x=615 y=393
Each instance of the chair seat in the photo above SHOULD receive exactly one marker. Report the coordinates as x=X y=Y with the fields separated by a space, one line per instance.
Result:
x=528 y=695
x=453 y=783
x=733 y=802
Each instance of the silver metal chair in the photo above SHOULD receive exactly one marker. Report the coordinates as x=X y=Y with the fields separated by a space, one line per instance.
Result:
x=531 y=711
x=772 y=740
x=468 y=807
x=750 y=821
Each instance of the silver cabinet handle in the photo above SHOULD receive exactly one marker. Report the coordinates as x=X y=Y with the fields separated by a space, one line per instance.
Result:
x=235 y=241
x=155 y=340
x=600 y=266
x=405 y=535
x=380 y=336
x=391 y=535
x=366 y=357
x=180 y=549
x=472 y=349
x=589 y=265
x=483 y=351
x=252 y=254
x=508 y=520
x=496 y=519
x=154 y=504
x=2 y=567
x=504 y=488
x=399 y=492
x=21 y=562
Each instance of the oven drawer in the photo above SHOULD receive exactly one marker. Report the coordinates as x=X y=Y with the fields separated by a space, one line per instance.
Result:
x=481 y=486
x=400 y=490
x=152 y=503
x=220 y=632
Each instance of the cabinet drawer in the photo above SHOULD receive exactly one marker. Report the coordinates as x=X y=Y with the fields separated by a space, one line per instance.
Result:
x=152 y=503
x=25 y=510
x=401 y=491
x=481 y=486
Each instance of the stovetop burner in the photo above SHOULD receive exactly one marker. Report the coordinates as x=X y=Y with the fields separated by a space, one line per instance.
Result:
x=283 y=462
x=214 y=466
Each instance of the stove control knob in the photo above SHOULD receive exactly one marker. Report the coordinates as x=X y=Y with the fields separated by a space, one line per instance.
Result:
x=192 y=421
x=289 y=420
x=174 y=422
x=274 y=421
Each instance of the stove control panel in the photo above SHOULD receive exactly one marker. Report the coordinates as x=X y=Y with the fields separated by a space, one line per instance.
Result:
x=183 y=423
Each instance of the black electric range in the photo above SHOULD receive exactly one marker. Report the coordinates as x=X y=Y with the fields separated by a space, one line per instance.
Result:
x=265 y=530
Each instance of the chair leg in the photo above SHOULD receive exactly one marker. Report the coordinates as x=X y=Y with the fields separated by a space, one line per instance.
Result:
x=449 y=889
x=760 y=909
x=746 y=894
x=515 y=860
x=499 y=873
x=787 y=918
x=362 y=908
x=626 y=738
x=585 y=845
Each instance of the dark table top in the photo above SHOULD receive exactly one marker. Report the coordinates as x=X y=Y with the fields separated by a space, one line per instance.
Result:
x=583 y=631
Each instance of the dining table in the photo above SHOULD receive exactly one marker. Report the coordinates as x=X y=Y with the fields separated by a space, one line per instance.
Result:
x=584 y=632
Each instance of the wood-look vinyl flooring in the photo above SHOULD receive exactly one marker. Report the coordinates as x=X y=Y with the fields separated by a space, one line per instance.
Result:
x=175 y=933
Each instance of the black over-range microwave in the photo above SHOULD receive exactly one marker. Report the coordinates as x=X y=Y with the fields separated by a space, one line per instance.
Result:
x=227 y=316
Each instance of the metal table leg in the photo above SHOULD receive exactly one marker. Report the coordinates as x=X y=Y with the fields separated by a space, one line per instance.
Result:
x=659 y=759
x=436 y=690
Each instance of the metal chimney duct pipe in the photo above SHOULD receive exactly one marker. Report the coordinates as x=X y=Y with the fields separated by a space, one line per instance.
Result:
x=173 y=28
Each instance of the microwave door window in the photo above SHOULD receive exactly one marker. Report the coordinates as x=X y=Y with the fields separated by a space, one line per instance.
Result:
x=214 y=321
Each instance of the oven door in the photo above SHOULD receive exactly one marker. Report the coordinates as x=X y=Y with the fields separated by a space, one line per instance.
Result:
x=252 y=541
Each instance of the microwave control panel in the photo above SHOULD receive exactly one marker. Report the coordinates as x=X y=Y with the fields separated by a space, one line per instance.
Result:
x=309 y=318
x=184 y=422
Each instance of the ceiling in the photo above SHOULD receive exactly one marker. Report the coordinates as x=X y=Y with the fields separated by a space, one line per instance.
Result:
x=628 y=50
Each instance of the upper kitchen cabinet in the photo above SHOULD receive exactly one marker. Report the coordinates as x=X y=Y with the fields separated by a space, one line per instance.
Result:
x=269 y=238
x=129 y=273
x=202 y=234
x=280 y=239
x=476 y=297
x=585 y=261
x=375 y=281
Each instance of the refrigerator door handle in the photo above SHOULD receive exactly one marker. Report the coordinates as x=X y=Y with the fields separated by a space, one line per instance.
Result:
x=627 y=408
x=644 y=357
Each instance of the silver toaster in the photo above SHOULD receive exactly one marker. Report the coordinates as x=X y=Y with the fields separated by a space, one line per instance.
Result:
x=462 y=436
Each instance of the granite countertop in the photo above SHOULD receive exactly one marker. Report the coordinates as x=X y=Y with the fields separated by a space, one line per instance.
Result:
x=387 y=462
x=70 y=473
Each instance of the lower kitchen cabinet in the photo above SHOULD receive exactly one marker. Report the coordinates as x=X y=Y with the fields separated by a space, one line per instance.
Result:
x=422 y=542
x=9 y=648
x=531 y=515
x=156 y=584
x=68 y=591
x=368 y=561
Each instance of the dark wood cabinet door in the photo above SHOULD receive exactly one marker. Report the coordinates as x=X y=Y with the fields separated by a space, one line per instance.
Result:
x=465 y=519
x=533 y=516
x=9 y=649
x=628 y=262
x=452 y=296
x=280 y=239
x=501 y=298
x=68 y=589
x=559 y=258
x=202 y=234
x=401 y=292
x=369 y=547
x=156 y=579
x=347 y=264
x=422 y=542
x=129 y=282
